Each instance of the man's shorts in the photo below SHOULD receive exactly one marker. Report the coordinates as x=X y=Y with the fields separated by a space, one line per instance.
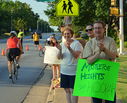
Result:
x=36 y=42
x=67 y=81
x=12 y=52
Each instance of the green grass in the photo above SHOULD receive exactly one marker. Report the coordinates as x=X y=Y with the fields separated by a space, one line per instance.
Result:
x=122 y=79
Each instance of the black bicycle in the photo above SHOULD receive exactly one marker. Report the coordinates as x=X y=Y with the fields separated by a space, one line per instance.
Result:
x=14 y=71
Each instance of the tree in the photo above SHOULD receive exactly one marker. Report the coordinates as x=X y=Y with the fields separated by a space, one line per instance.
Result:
x=90 y=11
x=17 y=15
x=51 y=13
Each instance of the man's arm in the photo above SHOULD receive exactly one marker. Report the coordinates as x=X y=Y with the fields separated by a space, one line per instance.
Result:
x=93 y=58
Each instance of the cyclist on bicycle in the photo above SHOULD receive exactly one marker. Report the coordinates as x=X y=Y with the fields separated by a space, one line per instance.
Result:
x=13 y=49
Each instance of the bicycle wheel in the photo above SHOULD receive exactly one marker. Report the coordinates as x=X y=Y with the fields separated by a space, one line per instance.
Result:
x=16 y=73
x=13 y=73
x=41 y=53
x=15 y=70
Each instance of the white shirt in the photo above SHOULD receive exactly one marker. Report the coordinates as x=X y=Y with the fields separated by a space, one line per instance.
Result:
x=69 y=62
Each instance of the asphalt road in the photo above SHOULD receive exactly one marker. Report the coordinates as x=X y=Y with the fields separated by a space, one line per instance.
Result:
x=31 y=68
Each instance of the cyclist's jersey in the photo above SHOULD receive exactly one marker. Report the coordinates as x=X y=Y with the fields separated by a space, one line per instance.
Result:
x=35 y=37
x=20 y=35
x=13 y=43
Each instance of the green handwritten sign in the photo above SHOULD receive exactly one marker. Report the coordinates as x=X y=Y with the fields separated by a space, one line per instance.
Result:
x=96 y=80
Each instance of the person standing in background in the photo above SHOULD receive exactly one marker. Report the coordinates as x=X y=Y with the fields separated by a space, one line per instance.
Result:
x=20 y=36
x=36 y=40
x=89 y=31
x=80 y=39
x=55 y=67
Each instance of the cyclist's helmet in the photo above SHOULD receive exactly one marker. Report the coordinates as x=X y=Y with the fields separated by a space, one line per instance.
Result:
x=13 y=33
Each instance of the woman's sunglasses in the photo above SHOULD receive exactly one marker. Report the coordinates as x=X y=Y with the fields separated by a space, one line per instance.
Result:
x=89 y=30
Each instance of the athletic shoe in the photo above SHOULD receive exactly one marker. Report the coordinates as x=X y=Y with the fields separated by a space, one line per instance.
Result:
x=18 y=66
x=10 y=76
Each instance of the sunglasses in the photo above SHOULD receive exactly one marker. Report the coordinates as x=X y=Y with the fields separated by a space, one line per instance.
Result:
x=89 y=30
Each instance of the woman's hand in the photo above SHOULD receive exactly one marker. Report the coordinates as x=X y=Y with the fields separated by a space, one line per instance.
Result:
x=67 y=44
x=59 y=46
x=60 y=55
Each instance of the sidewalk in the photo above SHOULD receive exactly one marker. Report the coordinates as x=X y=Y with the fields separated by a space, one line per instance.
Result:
x=58 y=96
x=41 y=92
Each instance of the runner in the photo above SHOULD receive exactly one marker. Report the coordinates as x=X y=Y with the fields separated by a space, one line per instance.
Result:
x=36 y=40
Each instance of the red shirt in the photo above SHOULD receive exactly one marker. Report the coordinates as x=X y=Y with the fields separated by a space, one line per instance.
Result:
x=13 y=43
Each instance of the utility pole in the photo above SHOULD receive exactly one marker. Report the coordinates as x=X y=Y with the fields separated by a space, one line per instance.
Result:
x=37 y=24
x=106 y=29
x=11 y=19
x=47 y=28
x=121 y=27
x=67 y=20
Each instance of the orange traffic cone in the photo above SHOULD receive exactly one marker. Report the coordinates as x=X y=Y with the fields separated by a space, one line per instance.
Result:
x=27 y=48
x=39 y=47
x=3 y=52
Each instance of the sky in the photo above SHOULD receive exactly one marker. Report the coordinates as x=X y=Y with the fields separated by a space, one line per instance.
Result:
x=38 y=7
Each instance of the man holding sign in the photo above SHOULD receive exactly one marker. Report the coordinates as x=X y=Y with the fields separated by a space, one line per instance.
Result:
x=100 y=47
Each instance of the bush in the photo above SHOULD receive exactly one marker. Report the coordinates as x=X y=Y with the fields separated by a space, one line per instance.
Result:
x=124 y=99
x=125 y=44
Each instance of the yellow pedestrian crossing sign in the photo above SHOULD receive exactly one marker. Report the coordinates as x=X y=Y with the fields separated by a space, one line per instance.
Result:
x=67 y=8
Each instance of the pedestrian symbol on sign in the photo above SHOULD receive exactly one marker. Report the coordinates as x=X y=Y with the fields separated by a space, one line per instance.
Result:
x=64 y=7
x=70 y=6
x=67 y=8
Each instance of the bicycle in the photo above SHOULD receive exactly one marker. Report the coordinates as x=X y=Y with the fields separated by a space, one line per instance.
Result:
x=14 y=71
x=41 y=52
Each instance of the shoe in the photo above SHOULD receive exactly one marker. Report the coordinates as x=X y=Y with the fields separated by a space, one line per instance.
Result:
x=18 y=66
x=10 y=76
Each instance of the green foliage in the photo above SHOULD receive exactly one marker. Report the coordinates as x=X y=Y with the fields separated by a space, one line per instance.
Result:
x=51 y=13
x=125 y=44
x=90 y=11
x=122 y=80
x=17 y=15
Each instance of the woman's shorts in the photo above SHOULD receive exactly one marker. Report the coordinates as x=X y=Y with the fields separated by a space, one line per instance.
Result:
x=36 y=42
x=67 y=81
x=12 y=52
